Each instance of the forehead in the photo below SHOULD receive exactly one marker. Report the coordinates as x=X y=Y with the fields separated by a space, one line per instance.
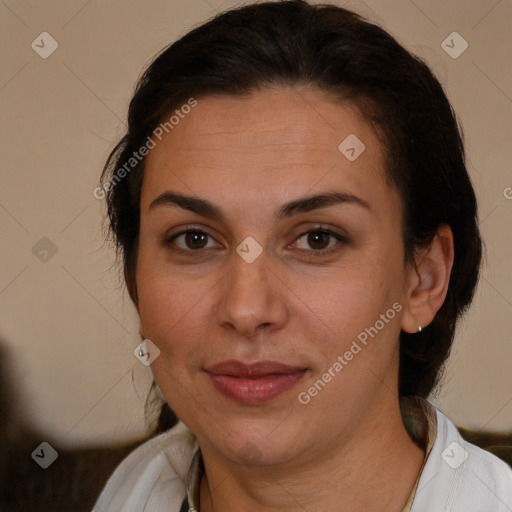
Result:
x=288 y=140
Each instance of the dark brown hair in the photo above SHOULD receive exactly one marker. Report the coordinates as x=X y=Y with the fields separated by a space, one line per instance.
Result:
x=293 y=43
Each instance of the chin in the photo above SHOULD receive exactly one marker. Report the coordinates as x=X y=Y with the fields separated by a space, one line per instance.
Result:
x=253 y=444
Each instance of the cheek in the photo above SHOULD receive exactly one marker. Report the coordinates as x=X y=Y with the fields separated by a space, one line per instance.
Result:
x=172 y=317
x=353 y=330
x=356 y=311
x=350 y=295
x=169 y=308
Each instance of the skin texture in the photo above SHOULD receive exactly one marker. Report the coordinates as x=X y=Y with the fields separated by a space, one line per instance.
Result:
x=250 y=156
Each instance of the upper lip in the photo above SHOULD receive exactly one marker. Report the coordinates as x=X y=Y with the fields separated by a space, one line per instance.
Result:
x=258 y=369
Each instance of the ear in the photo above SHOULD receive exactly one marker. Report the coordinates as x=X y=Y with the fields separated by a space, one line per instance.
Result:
x=430 y=276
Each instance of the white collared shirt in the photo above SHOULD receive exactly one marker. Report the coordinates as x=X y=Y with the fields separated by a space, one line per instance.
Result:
x=456 y=477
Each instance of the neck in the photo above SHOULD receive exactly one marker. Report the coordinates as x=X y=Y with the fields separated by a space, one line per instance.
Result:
x=375 y=469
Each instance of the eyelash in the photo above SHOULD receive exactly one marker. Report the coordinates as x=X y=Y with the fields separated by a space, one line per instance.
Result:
x=314 y=253
x=331 y=234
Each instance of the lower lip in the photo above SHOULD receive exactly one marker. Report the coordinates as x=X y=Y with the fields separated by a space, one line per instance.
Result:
x=255 y=391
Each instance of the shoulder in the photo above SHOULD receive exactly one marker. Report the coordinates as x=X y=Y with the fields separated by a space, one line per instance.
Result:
x=461 y=477
x=153 y=476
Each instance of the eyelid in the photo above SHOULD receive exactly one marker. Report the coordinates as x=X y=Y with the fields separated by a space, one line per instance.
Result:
x=168 y=239
x=341 y=240
x=336 y=232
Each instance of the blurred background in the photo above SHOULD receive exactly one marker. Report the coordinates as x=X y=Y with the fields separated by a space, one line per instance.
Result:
x=67 y=326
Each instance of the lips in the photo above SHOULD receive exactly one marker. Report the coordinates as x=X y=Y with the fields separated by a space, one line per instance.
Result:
x=255 y=383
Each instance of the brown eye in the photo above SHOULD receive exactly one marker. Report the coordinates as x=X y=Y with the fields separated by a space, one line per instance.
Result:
x=318 y=239
x=193 y=240
x=196 y=240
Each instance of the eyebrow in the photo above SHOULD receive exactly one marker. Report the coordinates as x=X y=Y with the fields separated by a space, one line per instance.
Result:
x=302 y=205
x=324 y=200
x=193 y=204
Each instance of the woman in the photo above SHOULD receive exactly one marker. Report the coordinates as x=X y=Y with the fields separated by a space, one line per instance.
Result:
x=299 y=236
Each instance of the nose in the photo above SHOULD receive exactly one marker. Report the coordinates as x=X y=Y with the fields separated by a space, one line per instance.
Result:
x=253 y=298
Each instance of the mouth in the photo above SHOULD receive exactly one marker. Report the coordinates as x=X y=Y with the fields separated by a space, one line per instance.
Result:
x=256 y=383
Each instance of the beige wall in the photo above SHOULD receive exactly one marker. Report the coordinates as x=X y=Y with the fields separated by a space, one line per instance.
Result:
x=69 y=327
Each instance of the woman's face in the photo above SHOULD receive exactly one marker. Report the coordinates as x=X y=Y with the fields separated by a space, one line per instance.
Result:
x=271 y=259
